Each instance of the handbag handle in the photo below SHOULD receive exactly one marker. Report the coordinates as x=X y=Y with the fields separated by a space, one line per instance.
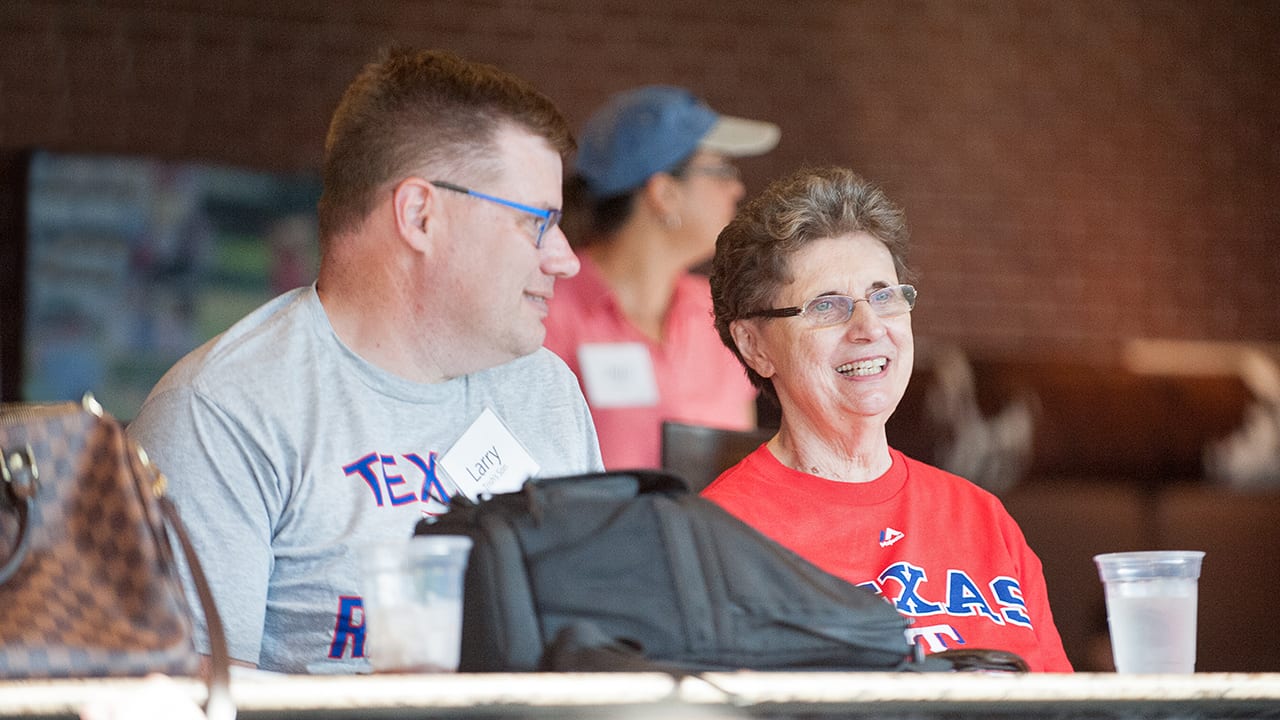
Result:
x=20 y=476
x=219 y=705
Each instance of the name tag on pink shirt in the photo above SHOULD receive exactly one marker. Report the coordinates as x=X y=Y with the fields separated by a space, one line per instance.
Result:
x=618 y=375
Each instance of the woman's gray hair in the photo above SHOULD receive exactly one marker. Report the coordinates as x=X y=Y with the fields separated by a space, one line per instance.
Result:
x=751 y=263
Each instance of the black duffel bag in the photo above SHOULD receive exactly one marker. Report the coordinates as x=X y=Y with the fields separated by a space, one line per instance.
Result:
x=631 y=571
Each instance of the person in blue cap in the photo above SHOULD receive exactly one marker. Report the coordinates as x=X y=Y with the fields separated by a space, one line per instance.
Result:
x=653 y=184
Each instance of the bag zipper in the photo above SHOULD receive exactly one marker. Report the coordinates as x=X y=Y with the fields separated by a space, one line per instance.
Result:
x=11 y=413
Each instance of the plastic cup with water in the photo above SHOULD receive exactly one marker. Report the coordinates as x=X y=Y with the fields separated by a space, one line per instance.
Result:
x=412 y=595
x=1151 y=609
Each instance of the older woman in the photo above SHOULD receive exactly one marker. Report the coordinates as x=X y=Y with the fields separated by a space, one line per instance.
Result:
x=807 y=284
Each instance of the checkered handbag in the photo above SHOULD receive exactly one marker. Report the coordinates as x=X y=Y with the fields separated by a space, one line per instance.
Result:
x=88 y=582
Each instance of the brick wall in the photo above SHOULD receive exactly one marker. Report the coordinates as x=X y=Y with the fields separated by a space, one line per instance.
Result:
x=1076 y=173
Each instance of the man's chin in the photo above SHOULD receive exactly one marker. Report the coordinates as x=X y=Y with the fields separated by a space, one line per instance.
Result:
x=529 y=342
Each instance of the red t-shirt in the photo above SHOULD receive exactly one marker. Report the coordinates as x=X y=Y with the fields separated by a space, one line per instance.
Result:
x=941 y=549
x=698 y=380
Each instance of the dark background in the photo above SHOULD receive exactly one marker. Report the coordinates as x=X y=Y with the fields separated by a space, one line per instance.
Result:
x=1076 y=173
x=1079 y=175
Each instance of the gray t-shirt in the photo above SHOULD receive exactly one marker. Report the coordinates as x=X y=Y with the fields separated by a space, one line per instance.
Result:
x=287 y=454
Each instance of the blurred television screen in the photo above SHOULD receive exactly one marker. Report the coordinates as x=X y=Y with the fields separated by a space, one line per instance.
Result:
x=133 y=262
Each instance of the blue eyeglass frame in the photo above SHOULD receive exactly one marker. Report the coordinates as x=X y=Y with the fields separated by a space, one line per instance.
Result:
x=550 y=217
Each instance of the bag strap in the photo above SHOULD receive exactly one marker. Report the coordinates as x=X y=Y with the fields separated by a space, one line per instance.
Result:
x=647 y=481
x=583 y=647
x=20 y=477
x=219 y=705
x=982 y=660
x=617 y=484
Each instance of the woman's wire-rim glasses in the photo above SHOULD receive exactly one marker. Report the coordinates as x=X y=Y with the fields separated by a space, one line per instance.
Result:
x=825 y=310
x=550 y=217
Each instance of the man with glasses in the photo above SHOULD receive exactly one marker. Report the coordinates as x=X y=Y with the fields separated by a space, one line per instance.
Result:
x=330 y=420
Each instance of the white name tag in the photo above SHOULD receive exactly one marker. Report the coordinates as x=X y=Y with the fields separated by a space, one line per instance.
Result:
x=488 y=459
x=617 y=375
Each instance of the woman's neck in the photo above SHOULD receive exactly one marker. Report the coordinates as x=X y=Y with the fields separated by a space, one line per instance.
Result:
x=642 y=276
x=845 y=454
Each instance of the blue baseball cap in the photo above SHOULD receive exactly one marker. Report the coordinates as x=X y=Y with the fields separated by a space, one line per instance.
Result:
x=650 y=129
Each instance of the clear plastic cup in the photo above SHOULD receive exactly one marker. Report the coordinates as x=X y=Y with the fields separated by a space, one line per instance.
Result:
x=1151 y=609
x=412 y=594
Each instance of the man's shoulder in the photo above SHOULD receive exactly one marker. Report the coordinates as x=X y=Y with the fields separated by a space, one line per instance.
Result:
x=539 y=398
x=540 y=365
x=253 y=347
x=538 y=387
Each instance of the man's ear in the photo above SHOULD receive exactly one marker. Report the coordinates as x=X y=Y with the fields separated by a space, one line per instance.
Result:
x=746 y=335
x=416 y=207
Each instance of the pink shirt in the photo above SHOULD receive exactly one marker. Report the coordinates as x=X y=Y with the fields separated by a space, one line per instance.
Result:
x=699 y=381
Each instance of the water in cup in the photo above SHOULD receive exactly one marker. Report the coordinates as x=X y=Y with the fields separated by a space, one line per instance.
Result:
x=412 y=595
x=1153 y=625
x=1151 y=609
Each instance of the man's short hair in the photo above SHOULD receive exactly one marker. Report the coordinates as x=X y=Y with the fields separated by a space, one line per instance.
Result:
x=412 y=109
